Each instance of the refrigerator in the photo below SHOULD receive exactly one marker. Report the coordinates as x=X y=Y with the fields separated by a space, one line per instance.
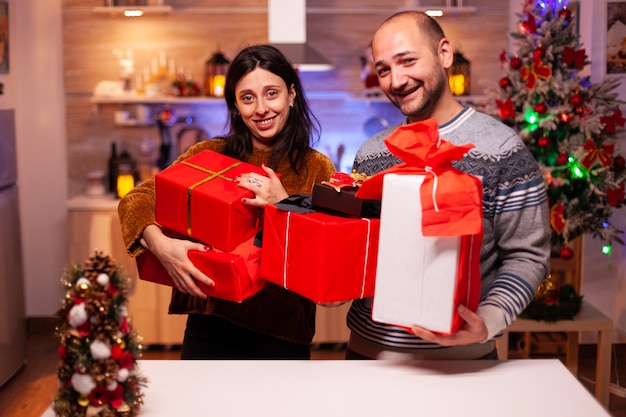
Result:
x=12 y=313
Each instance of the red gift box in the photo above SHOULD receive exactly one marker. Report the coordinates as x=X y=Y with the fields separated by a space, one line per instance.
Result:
x=236 y=273
x=322 y=257
x=199 y=198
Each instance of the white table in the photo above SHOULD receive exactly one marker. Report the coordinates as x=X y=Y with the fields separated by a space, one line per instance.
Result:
x=514 y=388
x=588 y=320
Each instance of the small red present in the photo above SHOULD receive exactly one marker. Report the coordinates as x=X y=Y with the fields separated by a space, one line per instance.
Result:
x=236 y=273
x=322 y=257
x=199 y=198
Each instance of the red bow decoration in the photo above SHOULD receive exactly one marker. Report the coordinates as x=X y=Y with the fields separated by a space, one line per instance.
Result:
x=342 y=179
x=503 y=57
x=533 y=71
x=451 y=199
x=611 y=121
x=506 y=109
x=557 y=219
x=616 y=196
x=602 y=153
x=571 y=56
x=531 y=24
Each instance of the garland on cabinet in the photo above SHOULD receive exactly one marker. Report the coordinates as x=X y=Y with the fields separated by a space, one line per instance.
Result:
x=98 y=352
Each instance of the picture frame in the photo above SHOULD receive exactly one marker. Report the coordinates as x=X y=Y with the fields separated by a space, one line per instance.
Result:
x=4 y=37
x=615 y=37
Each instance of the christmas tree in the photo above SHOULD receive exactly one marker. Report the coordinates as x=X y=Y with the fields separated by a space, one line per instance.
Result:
x=568 y=123
x=98 y=352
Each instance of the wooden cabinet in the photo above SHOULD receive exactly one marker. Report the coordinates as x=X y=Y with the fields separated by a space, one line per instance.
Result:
x=94 y=225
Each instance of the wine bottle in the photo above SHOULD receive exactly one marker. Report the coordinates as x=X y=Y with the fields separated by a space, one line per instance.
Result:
x=112 y=169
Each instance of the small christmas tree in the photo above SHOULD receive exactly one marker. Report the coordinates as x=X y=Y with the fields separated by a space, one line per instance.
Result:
x=99 y=349
x=567 y=122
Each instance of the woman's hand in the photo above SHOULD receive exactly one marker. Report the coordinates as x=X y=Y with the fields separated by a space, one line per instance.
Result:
x=267 y=190
x=173 y=255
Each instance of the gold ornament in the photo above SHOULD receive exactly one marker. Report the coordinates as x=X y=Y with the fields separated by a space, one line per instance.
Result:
x=549 y=289
x=82 y=288
x=83 y=401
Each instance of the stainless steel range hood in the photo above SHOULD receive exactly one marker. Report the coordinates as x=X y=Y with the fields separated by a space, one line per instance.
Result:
x=287 y=32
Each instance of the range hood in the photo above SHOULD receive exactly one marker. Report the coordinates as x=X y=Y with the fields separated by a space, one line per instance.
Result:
x=287 y=32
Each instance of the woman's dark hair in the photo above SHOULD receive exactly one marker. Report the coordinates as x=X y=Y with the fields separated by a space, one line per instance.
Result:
x=302 y=130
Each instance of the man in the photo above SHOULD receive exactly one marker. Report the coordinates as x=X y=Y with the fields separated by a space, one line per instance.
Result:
x=411 y=57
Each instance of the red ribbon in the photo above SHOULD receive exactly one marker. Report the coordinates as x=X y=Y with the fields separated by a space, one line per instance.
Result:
x=451 y=199
x=533 y=71
x=557 y=219
x=506 y=109
x=572 y=56
x=613 y=120
x=616 y=196
x=603 y=153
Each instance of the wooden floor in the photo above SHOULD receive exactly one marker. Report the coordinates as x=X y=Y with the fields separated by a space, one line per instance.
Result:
x=32 y=390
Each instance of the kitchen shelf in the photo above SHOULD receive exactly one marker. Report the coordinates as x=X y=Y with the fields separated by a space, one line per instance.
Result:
x=119 y=10
x=132 y=99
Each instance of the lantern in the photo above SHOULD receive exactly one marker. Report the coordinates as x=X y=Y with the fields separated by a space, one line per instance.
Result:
x=126 y=173
x=459 y=75
x=215 y=75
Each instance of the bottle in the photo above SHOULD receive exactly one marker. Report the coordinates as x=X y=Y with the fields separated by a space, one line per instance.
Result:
x=112 y=169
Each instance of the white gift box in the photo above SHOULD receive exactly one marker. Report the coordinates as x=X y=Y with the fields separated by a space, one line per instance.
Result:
x=420 y=280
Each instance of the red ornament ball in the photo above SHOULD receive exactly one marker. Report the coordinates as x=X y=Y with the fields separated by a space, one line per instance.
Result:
x=541 y=108
x=576 y=100
x=505 y=82
x=562 y=159
x=539 y=53
x=543 y=142
x=516 y=62
x=566 y=253
x=619 y=162
x=565 y=13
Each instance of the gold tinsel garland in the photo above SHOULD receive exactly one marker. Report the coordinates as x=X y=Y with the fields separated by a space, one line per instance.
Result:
x=98 y=348
x=553 y=302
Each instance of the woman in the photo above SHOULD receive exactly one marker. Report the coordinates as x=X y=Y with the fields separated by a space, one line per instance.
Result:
x=270 y=126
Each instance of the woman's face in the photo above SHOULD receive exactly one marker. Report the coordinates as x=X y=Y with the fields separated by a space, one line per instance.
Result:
x=263 y=100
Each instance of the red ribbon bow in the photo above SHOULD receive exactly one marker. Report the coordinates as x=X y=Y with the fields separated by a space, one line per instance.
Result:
x=557 y=218
x=451 y=200
x=572 y=56
x=603 y=153
x=533 y=71
x=506 y=109
x=611 y=121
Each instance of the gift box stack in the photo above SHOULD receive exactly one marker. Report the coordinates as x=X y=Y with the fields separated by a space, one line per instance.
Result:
x=197 y=199
x=430 y=232
x=325 y=252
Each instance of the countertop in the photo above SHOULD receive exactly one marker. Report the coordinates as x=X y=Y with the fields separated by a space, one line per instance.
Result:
x=86 y=202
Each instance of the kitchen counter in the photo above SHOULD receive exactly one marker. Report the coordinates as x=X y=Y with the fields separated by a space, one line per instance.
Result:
x=86 y=202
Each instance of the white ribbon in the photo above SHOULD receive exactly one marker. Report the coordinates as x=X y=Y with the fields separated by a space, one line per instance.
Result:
x=286 y=249
x=367 y=251
x=430 y=170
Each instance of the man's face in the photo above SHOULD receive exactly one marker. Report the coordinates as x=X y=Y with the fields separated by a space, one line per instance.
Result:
x=411 y=74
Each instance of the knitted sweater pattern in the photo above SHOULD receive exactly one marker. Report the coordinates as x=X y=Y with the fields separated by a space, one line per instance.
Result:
x=516 y=245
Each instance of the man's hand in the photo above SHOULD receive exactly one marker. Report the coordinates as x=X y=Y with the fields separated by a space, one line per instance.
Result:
x=473 y=330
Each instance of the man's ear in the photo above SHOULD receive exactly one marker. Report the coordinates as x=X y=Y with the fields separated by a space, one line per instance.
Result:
x=446 y=53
